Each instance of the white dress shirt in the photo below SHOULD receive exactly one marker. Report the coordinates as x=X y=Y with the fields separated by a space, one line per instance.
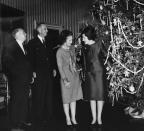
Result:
x=21 y=46
x=41 y=39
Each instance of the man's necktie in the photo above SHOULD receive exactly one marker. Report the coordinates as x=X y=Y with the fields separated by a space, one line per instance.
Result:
x=44 y=42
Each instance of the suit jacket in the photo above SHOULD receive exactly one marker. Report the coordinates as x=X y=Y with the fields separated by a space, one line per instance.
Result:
x=15 y=63
x=39 y=56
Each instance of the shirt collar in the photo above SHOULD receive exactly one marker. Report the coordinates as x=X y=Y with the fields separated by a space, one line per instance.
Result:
x=19 y=43
x=41 y=39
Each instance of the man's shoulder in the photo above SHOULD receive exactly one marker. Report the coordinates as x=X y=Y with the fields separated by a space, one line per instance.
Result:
x=33 y=40
x=10 y=45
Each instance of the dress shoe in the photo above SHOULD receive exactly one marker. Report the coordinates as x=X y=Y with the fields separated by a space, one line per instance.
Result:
x=74 y=122
x=26 y=124
x=100 y=125
x=99 y=121
x=23 y=125
x=69 y=126
x=68 y=122
x=75 y=125
x=17 y=129
x=93 y=122
x=93 y=125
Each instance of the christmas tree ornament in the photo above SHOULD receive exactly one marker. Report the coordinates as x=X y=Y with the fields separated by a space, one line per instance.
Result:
x=122 y=35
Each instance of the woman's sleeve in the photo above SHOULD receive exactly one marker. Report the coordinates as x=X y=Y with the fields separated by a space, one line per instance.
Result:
x=95 y=60
x=73 y=53
x=60 y=64
x=94 y=53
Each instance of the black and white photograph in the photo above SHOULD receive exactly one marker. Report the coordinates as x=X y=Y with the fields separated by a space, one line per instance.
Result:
x=71 y=65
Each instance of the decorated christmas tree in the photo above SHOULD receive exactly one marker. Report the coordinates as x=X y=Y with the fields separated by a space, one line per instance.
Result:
x=120 y=25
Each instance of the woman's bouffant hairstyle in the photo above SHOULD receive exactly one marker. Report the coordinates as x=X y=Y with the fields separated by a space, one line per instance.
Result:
x=90 y=32
x=64 y=34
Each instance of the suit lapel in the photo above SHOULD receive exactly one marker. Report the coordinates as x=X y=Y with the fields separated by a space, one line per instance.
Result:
x=19 y=48
x=44 y=44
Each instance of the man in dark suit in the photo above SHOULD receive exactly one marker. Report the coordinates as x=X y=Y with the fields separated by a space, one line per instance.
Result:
x=16 y=67
x=39 y=55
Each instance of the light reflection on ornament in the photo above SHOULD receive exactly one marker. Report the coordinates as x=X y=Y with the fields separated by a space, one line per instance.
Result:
x=126 y=73
x=118 y=57
x=103 y=22
x=106 y=32
x=133 y=28
x=131 y=88
x=139 y=43
x=115 y=22
x=101 y=7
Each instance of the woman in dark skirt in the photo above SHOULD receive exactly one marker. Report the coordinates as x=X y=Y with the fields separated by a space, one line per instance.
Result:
x=94 y=74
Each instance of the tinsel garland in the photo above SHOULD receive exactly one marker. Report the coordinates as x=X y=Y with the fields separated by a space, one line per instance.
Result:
x=140 y=3
x=124 y=60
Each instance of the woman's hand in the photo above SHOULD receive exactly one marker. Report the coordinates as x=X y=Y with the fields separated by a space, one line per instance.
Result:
x=66 y=83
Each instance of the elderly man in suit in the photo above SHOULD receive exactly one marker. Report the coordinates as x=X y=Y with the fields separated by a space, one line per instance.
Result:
x=40 y=55
x=19 y=72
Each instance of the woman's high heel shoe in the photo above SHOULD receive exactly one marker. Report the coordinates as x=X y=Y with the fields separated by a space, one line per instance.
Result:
x=93 y=123
x=68 y=123
x=74 y=122
x=99 y=122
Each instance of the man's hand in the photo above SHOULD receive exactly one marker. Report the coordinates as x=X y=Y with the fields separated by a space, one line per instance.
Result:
x=34 y=74
x=33 y=77
x=32 y=81
x=54 y=73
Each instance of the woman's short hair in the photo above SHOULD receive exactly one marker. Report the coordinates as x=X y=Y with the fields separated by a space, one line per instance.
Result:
x=64 y=34
x=90 y=32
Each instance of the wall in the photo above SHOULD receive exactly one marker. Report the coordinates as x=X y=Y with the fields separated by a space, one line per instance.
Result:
x=65 y=13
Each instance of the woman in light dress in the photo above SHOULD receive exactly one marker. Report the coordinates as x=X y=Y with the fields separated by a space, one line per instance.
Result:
x=70 y=83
